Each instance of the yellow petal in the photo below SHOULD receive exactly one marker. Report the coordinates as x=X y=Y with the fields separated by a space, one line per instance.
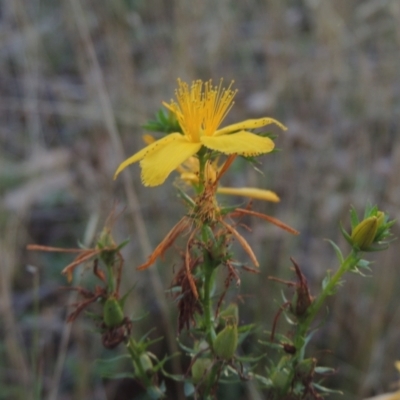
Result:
x=249 y=124
x=157 y=165
x=254 y=193
x=147 y=150
x=189 y=177
x=243 y=143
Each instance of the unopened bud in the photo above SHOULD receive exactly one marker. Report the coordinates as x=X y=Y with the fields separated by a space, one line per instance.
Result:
x=145 y=362
x=279 y=378
x=364 y=233
x=210 y=172
x=305 y=368
x=226 y=342
x=200 y=369
x=113 y=315
x=105 y=239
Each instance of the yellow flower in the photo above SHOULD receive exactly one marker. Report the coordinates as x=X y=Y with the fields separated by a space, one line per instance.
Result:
x=200 y=109
x=189 y=174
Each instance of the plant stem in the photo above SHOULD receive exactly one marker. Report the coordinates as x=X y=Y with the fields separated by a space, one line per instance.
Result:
x=303 y=327
x=142 y=376
x=202 y=166
x=349 y=262
x=208 y=319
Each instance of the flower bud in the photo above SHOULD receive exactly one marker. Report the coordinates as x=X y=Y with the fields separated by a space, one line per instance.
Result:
x=306 y=367
x=279 y=378
x=226 y=342
x=200 y=369
x=113 y=315
x=364 y=233
x=145 y=362
x=105 y=239
x=210 y=172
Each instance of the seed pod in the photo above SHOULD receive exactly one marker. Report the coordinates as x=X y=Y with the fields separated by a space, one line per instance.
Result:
x=200 y=369
x=113 y=315
x=364 y=233
x=226 y=342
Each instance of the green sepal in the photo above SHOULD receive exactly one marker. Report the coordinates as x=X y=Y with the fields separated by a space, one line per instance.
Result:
x=345 y=235
x=353 y=217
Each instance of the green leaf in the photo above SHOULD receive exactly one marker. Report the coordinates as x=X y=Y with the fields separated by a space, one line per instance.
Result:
x=325 y=389
x=186 y=198
x=187 y=349
x=338 y=252
x=161 y=363
x=262 y=379
x=155 y=392
x=324 y=370
x=246 y=328
x=144 y=337
x=164 y=121
x=122 y=300
x=140 y=317
x=108 y=368
x=250 y=359
x=122 y=244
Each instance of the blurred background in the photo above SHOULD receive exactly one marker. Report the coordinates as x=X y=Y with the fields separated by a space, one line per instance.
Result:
x=78 y=78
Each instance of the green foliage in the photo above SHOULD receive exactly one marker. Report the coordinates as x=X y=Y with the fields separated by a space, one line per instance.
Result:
x=164 y=121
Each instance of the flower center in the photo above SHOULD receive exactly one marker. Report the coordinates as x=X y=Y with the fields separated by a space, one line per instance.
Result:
x=201 y=108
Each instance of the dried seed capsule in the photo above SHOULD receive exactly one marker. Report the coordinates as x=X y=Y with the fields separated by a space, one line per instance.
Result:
x=226 y=342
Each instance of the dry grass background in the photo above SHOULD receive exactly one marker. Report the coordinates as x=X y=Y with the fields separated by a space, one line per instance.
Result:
x=79 y=77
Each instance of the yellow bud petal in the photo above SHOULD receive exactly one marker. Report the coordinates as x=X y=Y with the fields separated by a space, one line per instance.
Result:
x=364 y=233
x=254 y=193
